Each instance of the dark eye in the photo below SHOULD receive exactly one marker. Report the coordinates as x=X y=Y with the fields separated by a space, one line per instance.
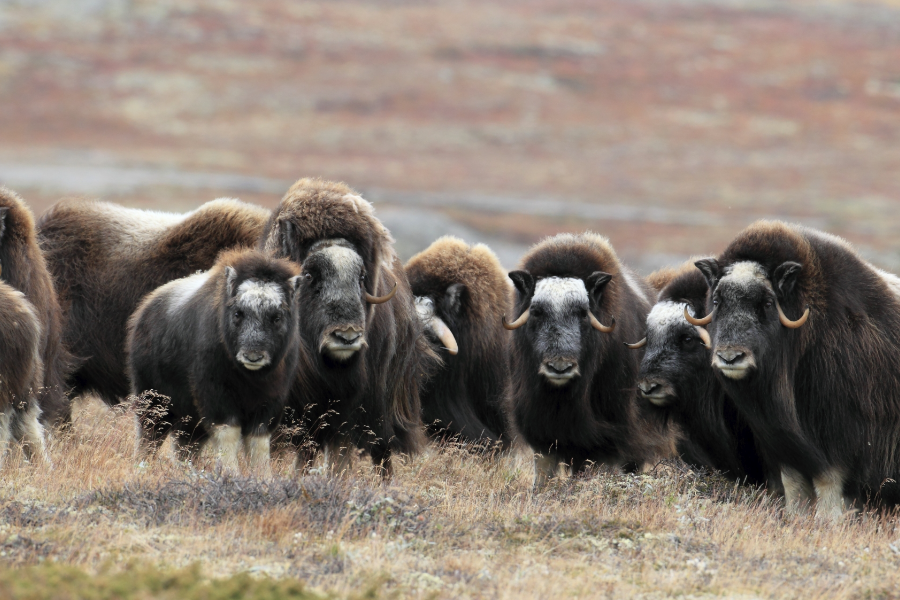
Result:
x=582 y=312
x=769 y=303
x=276 y=319
x=307 y=276
x=688 y=340
x=536 y=311
x=238 y=315
x=715 y=301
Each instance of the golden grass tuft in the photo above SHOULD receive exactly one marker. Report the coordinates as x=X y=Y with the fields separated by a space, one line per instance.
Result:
x=452 y=524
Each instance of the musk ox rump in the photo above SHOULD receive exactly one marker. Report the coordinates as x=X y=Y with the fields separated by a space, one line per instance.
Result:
x=222 y=347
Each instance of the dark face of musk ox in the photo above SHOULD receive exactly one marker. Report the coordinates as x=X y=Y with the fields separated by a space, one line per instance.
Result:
x=333 y=302
x=559 y=341
x=746 y=328
x=257 y=320
x=676 y=359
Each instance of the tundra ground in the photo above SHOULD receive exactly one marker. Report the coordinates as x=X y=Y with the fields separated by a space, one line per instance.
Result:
x=452 y=524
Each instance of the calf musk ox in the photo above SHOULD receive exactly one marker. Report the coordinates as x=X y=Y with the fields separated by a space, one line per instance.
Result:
x=223 y=347
x=462 y=293
x=362 y=347
x=573 y=397
x=677 y=384
x=23 y=267
x=21 y=374
x=105 y=258
x=804 y=337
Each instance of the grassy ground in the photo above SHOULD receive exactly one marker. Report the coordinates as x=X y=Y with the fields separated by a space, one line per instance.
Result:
x=451 y=524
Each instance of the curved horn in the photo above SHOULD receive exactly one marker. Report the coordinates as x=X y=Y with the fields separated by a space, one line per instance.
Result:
x=704 y=336
x=698 y=322
x=637 y=345
x=787 y=322
x=381 y=299
x=600 y=326
x=518 y=322
x=444 y=334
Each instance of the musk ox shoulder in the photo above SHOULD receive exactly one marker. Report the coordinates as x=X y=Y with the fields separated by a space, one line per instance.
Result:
x=222 y=346
x=362 y=351
x=573 y=397
x=25 y=269
x=804 y=341
x=105 y=258
x=21 y=374
x=462 y=293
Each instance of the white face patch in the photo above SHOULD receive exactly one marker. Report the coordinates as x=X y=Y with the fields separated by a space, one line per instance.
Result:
x=745 y=274
x=666 y=314
x=257 y=296
x=557 y=292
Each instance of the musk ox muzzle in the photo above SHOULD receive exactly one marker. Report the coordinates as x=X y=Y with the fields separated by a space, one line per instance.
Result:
x=657 y=391
x=734 y=362
x=253 y=360
x=559 y=371
x=342 y=342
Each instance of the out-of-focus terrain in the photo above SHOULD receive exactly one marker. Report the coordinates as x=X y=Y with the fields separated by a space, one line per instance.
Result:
x=667 y=125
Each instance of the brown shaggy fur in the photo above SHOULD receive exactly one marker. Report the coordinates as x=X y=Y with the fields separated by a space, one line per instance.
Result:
x=660 y=278
x=471 y=293
x=24 y=268
x=105 y=258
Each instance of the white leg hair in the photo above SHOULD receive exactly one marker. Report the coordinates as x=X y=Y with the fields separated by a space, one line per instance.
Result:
x=257 y=449
x=225 y=442
x=830 y=493
x=545 y=467
x=339 y=455
x=798 y=493
x=30 y=432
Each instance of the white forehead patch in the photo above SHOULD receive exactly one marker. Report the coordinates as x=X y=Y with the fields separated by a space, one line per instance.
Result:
x=745 y=273
x=666 y=314
x=558 y=291
x=258 y=296
x=346 y=262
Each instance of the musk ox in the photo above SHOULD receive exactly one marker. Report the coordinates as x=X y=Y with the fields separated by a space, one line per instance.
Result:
x=24 y=268
x=105 y=258
x=362 y=349
x=462 y=293
x=21 y=374
x=222 y=345
x=804 y=341
x=678 y=385
x=573 y=396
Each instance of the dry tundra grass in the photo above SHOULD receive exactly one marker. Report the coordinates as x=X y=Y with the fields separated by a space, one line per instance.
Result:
x=452 y=524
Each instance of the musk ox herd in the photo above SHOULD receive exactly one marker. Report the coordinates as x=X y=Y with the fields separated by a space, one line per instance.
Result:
x=776 y=362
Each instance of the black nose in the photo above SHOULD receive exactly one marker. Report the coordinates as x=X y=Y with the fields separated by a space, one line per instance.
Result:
x=730 y=357
x=348 y=336
x=648 y=388
x=560 y=367
x=253 y=356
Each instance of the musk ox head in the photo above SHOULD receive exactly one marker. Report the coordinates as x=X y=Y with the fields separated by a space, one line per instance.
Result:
x=435 y=327
x=557 y=324
x=747 y=321
x=259 y=314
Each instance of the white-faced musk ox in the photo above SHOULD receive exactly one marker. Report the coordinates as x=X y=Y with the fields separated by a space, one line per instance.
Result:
x=573 y=395
x=362 y=349
x=462 y=293
x=804 y=337
x=24 y=268
x=677 y=384
x=105 y=258
x=21 y=374
x=223 y=347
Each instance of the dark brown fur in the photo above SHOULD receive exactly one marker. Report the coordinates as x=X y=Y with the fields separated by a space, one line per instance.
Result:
x=25 y=269
x=105 y=258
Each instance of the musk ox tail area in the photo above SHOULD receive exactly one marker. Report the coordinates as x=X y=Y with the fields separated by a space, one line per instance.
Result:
x=105 y=258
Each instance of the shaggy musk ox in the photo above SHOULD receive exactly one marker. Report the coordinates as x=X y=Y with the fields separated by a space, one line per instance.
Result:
x=462 y=293
x=222 y=346
x=21 y=374
x=362 y=350
x=24 y=268
x=105 y=258
x=678 y=385
x=573 y=395
x=804 y=336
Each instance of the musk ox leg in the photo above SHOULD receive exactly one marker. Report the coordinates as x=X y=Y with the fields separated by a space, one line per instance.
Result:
x=830 y=495
x=381 y=459
x=798 y=493
x=29 y=431
x=225 y=443
x=339 y=455
x=545 y=466
x=256 y=447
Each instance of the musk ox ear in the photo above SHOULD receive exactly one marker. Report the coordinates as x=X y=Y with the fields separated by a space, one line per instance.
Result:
x=595 y=285
x=288 y=239
x=710 y=269
x=294 y=284
x=524 y=283
x=230 y=278
x=453 y=298
x=785 y=278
